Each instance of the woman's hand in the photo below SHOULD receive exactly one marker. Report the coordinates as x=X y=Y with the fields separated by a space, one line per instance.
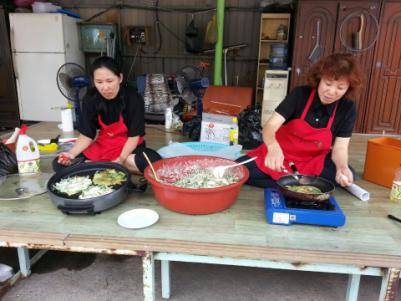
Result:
x=275 y=157
x=344 y=177
x=65 y=158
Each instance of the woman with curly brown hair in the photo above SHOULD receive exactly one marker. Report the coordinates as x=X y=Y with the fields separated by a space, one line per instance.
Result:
x=311 y=127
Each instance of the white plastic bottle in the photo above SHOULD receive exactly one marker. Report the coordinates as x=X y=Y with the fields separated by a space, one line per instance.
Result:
x=27 y=153
x=168 y=118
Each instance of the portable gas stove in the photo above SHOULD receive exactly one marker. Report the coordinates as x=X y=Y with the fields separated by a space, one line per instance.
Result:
x=285 y=211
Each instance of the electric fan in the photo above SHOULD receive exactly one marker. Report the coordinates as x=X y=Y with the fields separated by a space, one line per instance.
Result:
x=72 y=82
x=190 y=85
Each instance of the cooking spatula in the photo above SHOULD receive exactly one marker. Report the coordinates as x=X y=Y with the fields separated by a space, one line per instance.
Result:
x=218 y=171
x=316 y=51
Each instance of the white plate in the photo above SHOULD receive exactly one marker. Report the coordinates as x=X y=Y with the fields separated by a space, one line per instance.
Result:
x=138 y=218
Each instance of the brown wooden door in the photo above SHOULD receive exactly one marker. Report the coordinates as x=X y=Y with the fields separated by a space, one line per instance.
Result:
x=308 y=14
x=384 y=98
x=349 y=22
x=9 y=113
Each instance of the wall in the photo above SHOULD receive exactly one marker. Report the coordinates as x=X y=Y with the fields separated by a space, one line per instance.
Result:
x=241 y=26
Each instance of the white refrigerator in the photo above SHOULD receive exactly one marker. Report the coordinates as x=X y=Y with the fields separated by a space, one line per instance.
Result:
x=41 y=43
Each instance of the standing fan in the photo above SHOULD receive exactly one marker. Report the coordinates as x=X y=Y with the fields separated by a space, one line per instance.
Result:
x=190 y=85
x=72 y=81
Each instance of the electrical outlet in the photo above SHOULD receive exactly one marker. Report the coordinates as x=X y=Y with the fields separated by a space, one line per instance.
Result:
x=139 y=35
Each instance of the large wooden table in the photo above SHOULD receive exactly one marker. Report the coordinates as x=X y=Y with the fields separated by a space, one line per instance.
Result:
x=369 y=243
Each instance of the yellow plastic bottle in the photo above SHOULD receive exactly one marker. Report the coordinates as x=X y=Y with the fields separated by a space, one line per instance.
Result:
x=395 y=194
x=234 y=131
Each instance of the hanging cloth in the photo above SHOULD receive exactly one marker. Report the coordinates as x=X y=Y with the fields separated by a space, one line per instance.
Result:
x=192 y=38
x=211 y=31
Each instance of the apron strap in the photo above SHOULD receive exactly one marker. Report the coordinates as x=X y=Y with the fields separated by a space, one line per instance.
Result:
x=331 y=120
x=308 y=104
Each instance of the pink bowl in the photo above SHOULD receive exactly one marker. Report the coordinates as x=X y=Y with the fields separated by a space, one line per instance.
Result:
x=193 y=201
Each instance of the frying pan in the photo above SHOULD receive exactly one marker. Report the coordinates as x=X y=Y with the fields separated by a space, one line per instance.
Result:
x=71 y=204
x=326 y=187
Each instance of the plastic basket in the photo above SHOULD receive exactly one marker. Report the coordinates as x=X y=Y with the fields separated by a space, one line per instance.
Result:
x=205 y=146
x=201 y=149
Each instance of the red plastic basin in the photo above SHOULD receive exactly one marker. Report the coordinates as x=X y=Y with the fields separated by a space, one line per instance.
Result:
x=194 y=201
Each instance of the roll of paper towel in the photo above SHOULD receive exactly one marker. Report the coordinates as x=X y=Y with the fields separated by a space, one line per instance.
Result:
x=359 y=192
x=66 y=121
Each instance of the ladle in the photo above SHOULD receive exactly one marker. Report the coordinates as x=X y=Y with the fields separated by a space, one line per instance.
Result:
x=151 y=167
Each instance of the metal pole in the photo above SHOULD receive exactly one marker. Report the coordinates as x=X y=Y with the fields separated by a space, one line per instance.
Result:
x=219 y=44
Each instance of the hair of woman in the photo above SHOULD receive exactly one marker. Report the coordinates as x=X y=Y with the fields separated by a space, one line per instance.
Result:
x=337 y=66
x=108 y=63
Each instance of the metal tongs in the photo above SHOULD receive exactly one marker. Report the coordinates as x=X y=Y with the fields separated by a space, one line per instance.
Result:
x=296 y=175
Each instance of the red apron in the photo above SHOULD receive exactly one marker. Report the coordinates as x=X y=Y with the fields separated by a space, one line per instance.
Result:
x=110 y=141
x=301 y=143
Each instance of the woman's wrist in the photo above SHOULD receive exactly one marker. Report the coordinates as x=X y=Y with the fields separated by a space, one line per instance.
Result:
x=122 y=158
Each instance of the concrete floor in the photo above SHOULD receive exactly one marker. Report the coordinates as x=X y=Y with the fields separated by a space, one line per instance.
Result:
x=66 y=276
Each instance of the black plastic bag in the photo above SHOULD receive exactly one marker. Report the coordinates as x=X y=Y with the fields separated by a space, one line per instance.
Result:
x=250 y=130
x=192 y=128
x=192 y=38
x=8 y=161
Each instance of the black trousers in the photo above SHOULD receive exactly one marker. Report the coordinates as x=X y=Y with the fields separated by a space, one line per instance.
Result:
x=140 y=160
x=259 y=179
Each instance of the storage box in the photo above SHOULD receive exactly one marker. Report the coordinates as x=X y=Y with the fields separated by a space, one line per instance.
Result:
x=383 y=156
x=216 y=128
x=226 y=100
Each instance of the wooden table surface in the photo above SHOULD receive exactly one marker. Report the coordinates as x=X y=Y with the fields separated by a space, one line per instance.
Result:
x=368 y=238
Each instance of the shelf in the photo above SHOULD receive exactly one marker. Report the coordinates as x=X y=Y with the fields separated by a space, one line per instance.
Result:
x=274 y=41
x=274 y=30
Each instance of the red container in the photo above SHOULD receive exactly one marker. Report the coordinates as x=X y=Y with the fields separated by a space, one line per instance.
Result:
x=193 y=201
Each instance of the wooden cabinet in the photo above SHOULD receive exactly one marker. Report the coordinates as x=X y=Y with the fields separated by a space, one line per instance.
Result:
x=380 y=51
x=9 y=113
x=383 y=110
x=269 y=35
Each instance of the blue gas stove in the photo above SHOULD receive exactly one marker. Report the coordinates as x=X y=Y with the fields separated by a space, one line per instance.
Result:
x=285 y=211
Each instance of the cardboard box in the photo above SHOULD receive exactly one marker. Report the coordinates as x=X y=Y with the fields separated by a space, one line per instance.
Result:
x=383 y=157
x=216 y=128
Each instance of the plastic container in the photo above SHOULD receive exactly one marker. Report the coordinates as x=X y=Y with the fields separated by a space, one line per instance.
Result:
x=194 y=201
x=234 y=132
x=382 y=158
x=27 y=153
x=395 y=194
x=168 y=118
x=44 y=7
x=195 y=148
x=282 y=32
